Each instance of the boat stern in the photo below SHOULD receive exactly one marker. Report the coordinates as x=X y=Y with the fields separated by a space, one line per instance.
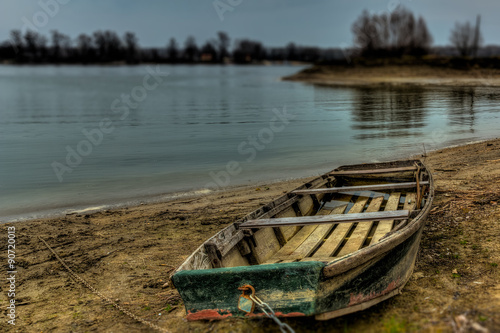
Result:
x=290 y=289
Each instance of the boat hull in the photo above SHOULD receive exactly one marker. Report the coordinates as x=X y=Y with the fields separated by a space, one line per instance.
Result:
x=299 y=288
x=324 y=287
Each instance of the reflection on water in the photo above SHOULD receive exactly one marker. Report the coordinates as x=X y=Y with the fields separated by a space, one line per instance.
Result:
x=406 y=112
x=380 y=113
x=461 y=110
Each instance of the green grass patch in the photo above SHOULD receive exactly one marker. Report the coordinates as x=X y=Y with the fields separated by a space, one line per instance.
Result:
x=395 y=325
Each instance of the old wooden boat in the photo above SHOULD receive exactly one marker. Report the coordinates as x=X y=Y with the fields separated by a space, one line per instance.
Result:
x=341 y=243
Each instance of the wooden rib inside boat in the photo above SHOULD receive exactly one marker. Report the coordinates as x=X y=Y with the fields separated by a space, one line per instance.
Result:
x=338 y=244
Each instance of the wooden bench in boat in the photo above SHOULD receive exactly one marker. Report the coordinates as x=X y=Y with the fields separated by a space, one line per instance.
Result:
x=394 y=186
x=322 y=219
x=372 y=171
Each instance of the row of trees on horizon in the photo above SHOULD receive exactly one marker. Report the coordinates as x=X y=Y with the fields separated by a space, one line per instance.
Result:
x=108 y=47
x=392 y=34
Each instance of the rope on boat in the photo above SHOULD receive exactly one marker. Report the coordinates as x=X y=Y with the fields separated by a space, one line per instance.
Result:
x=105 y=298
x=284 y=328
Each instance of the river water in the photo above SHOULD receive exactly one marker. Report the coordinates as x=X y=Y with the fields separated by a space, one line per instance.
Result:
x=73 y=136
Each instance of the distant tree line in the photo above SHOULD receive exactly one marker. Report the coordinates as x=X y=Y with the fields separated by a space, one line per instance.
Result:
x=108 y=47
x=388 y=34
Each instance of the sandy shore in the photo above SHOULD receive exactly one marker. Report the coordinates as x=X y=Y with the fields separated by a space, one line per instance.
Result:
x=397 y=76
x=127 y=254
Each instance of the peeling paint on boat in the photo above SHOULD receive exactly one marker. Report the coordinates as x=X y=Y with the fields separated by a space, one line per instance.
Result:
x=361 y=298
x=209 y=314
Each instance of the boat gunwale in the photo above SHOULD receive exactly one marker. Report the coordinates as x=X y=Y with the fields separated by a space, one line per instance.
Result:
x=350 y=260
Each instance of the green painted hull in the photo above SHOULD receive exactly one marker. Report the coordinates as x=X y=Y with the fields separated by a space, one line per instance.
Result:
x=290 y=289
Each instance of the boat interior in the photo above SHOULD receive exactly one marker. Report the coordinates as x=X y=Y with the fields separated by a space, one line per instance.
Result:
x=330 y=217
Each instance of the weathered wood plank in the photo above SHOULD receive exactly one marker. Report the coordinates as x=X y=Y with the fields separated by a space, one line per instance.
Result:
x=234 y=258
x=371 y=171
x=292 y=244
x=385 y=226
x=284 y=254
x=225 y=247
x=213 y=254
x=359 y=235
x=336 y=218
x=393 y=186
x=410 y=202
x=338 y=235
x=267 y=244
x=279 y=208
x=306 y=205
x=315 y=238
x=288 y=232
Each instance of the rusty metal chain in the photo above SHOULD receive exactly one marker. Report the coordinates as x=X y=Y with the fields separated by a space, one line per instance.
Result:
x=269 y=312
x=105 y=298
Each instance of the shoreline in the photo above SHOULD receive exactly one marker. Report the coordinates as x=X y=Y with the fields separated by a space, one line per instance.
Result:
x=397 y=76
x=164 y=198
x=154 y=199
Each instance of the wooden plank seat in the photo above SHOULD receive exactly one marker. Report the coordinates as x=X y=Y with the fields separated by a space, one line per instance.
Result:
x=334 y=218
x=372 y=171
x=380 y=187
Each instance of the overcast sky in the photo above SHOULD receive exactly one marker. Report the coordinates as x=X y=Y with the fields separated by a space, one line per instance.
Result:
x=324 y=23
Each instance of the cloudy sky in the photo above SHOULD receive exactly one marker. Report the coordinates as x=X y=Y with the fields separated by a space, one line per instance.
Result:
x=324 y=23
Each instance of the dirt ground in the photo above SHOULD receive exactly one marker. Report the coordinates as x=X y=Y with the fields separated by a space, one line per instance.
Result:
x=127 y=254
x=392 y=75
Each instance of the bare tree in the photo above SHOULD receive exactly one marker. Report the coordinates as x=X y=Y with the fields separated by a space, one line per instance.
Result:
x=366 y=33
x=423 y=37
x=395 y=34
x=36 y=45
x=291 y=51
x=131 y=47
x=61 y=45
x=247 y=51
x=172 y=51
x=16 y=41
x=191 y=50
x=478 y=38
x=85 y=49
x=223 y=45
x=16 y=38
x=108 y=44
x=466 y=38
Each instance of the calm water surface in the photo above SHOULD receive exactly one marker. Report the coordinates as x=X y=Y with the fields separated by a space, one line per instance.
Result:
x=204 y=127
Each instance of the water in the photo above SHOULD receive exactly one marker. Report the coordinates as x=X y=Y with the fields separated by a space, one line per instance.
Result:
x=202 y=128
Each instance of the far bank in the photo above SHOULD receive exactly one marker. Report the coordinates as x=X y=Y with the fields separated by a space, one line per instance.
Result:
x=398 y=75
